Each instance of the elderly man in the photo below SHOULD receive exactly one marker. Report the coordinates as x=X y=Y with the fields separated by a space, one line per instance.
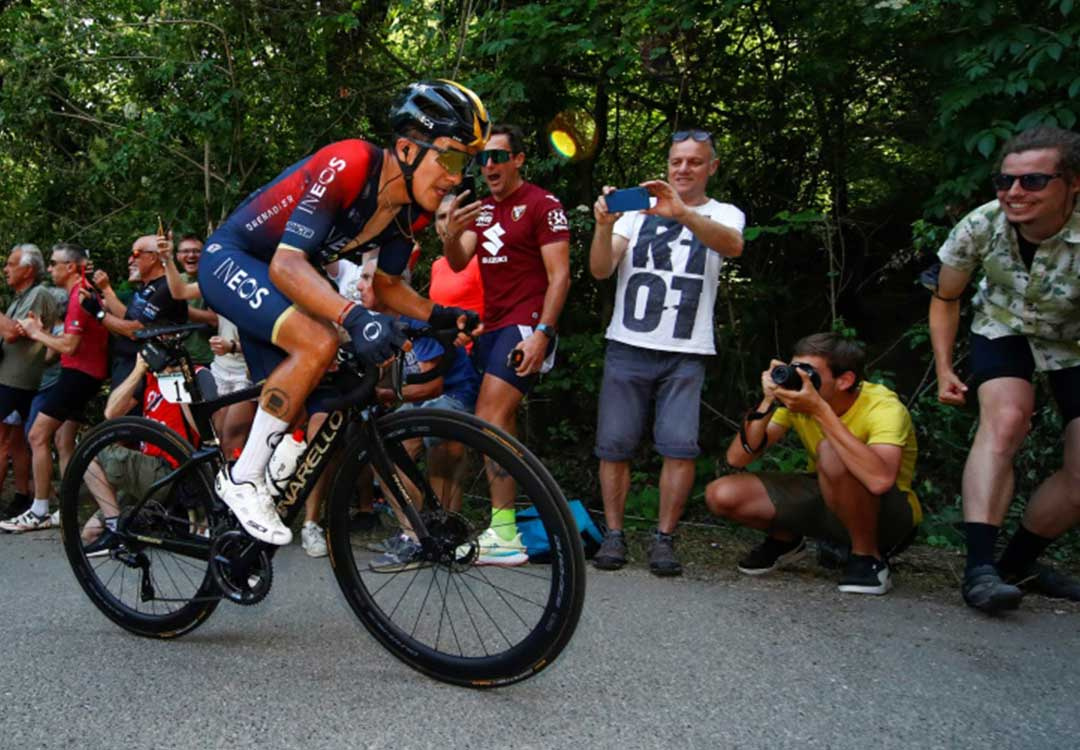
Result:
x=24 y=358
x=1027 y=318
x=152 y=304
x=668 y=260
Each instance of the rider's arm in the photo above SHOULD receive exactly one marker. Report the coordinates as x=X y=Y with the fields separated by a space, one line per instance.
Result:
x=122 y=397
x=293 y=274
x=393 y=292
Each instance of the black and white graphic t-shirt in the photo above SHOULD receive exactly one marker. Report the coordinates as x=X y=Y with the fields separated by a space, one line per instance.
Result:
x=667 y=282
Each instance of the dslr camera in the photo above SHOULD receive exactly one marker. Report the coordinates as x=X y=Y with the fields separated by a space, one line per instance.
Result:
x=787 y=376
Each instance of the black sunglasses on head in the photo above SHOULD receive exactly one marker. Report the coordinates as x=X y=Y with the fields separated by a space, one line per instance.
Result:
x=701 y=136
x=1033 y=181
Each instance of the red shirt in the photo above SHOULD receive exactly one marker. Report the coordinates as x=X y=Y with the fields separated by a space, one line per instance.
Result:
x=92 y=354
x=509 y=235
x=155 y=407
x=452 y=288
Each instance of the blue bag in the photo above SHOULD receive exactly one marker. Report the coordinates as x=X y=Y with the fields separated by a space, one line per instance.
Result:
x=536 y=541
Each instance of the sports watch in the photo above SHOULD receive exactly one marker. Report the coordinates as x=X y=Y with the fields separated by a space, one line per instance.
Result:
x=545 y=329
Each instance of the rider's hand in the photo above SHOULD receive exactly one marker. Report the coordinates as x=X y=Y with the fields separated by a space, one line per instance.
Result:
x=450 y=318
x=951 y=389
x=375 y=337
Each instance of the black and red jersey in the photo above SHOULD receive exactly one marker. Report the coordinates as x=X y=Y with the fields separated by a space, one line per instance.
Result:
x=319 y=204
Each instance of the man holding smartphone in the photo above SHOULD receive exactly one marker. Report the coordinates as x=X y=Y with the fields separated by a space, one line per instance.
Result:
x=668 y=259
x=522 y=237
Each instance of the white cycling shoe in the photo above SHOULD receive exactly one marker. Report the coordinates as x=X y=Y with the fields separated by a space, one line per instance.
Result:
x=253 y=506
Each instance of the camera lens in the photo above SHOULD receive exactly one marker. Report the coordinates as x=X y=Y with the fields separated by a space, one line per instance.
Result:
x=786 y=377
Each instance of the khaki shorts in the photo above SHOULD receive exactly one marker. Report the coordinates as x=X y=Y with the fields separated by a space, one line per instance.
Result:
x=129 y=470
x=800 y=509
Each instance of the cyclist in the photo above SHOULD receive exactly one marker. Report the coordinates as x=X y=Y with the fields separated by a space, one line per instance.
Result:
x=350 y=198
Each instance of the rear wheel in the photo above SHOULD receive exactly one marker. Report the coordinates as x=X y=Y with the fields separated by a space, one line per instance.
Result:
x=446 y=609
x=152 y=577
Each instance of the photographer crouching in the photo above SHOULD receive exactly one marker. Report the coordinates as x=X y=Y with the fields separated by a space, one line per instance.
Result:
x=857 y=492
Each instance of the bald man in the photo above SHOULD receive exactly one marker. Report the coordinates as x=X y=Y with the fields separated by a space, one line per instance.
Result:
x=151 y=305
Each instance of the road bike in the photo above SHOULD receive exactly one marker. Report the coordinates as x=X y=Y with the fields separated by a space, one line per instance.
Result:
x=177 y=551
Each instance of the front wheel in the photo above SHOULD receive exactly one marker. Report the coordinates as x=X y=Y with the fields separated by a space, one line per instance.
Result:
x=442 y=603
x=152 y=577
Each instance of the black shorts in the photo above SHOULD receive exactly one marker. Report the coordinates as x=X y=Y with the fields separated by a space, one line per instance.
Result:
x=70 y=395
x=1010 y=357
x=15 y=399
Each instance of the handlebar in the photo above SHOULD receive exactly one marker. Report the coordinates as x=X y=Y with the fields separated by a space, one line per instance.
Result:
x=144 y=334
x=359 y=382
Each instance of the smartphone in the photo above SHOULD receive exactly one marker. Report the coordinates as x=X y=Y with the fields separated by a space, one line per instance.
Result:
x=628 y=199
x=468 y=182
x=515 y=358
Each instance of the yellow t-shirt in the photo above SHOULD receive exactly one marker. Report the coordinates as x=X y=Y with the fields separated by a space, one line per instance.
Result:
x=876 y=417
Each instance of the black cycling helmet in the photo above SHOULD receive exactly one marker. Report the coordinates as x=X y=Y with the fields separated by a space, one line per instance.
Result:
x=441 y=108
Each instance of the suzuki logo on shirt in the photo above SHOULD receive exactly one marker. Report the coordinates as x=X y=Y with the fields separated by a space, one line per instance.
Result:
x=493 y=244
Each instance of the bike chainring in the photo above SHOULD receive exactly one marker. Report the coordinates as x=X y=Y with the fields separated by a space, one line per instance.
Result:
x=449 y=531
x=241 y=567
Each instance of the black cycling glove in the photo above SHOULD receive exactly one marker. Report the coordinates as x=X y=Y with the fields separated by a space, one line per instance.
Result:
x=375 y=337
x=445 y=318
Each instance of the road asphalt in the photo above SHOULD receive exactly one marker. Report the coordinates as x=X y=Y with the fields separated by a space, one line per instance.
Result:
x=728 y=662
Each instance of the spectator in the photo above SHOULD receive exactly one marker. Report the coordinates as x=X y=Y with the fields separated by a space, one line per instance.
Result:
x=668 y=260
x=462 y=289
x=857 y=494
x=13 y=447
x=83 y=348
x=1027 y=318
x=525 y=273
x=231 y=375
x=121 y=468
x=23 y=359
x=188 y=251
x=152 y=304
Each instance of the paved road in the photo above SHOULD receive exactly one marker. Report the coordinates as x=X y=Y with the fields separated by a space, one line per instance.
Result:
x=743 y=663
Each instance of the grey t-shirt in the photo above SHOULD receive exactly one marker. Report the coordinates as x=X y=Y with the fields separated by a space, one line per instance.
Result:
x=24 y=359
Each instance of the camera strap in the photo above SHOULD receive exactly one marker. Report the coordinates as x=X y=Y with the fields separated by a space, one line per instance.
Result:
x=753 y=416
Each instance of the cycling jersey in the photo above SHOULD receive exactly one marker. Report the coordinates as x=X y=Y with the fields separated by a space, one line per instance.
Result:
x=319 y=204
x=316 y=206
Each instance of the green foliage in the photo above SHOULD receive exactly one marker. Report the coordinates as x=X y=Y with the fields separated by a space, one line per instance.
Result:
x=851 y=133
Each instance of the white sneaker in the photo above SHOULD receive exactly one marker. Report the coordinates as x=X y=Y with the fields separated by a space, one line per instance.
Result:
x=55 y=518
x=313 y=538
x=28 y=521
x=492 y=549
x=252 y=505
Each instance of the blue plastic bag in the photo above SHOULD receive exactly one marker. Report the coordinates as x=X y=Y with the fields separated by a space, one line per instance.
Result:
x=535 y=539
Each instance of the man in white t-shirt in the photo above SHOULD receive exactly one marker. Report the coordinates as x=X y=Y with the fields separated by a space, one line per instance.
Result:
x=668 y=259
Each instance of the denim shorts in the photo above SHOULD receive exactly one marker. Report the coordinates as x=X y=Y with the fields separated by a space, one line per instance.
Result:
x=444 y=401
x=633 y=377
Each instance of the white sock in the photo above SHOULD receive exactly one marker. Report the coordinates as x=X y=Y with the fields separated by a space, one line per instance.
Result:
x=40 y=507
x=266 y=432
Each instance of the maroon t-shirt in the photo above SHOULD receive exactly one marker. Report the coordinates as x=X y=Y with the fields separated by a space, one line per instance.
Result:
x=509 y=235
x=91 y=356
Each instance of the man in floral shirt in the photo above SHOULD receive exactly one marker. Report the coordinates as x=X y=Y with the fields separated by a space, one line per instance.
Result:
x=1027 y=318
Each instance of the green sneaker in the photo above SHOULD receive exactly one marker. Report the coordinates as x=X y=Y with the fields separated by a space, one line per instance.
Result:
x=492 y=549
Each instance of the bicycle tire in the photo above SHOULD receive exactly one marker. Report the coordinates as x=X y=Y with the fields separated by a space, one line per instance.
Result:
x=184 y=592
x=552 y=594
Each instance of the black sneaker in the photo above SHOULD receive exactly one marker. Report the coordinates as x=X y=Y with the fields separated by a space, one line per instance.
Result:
x=772 y=554
x=612 y=552
x=662 y=560
x=106 y=542
x=1042 y=579
x=864 y=574
x=984 y=590
x=18 y=505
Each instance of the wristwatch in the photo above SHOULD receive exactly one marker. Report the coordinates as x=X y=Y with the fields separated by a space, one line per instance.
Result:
x=545 y=329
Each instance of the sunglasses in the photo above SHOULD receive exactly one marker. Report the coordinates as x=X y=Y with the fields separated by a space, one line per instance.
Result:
x=701 y=136
x=137 y=253
x=496 y=155
x=1033 y=181
x=450 y=159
